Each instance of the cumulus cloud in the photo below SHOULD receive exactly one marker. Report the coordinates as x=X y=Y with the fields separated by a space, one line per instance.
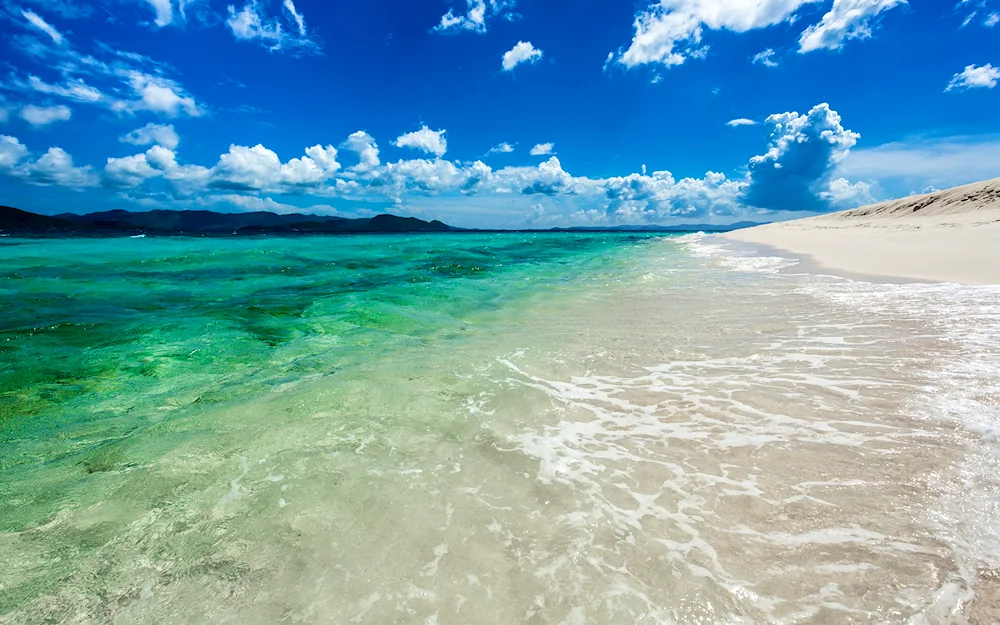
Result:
x=972 y=77
x=847 y=19
x=132 y=171
x=801 y=171
x=430 y=141
x=37 y=22
x=11 y=151
x=54 y=168
x=843 y=194
x=151 y=133
x=259 y=169
x=765 y=58
x=477 y=13
x=546 y=178
x=742 y=121
x=45 y=115
x=250 y=23
x=670 y=31
x=543 y=149
x=422 y=175
x=639 y=198
x=363 y=144
x=159 y=95
x=522 y=52
x=803 y=152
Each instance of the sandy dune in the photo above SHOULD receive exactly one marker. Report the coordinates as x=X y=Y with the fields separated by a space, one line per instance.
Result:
x=946 y=236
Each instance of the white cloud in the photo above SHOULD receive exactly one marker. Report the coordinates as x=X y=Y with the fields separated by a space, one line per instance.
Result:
x=159 y=95
x=75 y=89
x=670 y=31
x=250 y=23
x=260 y=169
x=36 y=21
x=523 y=52
x=300 y=21
x=363 y=144
x=972 y=76
x=430 y=141
x=164 y=11
x=477 y=13
x=742 y=121
x=157 y=161
x=639 y=198
x=765 y=58
x=45 y=115
x=437 y=176
x=131 y=171
x=542 y=149
x=546 y=178
x=847 y=19
x=503 y=148
x=11 y=151
x=54 y=168
x=151 y=133
x=795 y=174
x=842 y=194
x=992 y=20
x=104 y=78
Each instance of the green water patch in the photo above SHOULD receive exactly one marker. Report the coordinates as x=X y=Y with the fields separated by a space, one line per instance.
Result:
x=107 y=346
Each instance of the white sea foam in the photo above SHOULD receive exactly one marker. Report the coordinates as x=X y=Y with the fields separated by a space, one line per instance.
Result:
x=877 y=368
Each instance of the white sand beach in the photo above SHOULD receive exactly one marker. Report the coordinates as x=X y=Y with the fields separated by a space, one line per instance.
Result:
x=945 y=236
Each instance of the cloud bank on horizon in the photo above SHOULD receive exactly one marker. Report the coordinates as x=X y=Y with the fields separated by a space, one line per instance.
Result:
x=102 y=123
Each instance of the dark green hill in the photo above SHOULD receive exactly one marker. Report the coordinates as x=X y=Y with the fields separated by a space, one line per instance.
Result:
x=167 y=222
x=16 y=220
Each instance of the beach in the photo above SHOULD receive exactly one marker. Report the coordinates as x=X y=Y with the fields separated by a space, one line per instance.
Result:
x=945 y=236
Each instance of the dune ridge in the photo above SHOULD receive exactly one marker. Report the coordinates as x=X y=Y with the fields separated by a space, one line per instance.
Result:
x=945 y=236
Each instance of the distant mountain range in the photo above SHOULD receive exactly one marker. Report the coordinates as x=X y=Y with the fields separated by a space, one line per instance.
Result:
x=168 y=222
x=188 y=222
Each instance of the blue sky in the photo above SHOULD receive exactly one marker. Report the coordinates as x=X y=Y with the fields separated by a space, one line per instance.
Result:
x=496 y=113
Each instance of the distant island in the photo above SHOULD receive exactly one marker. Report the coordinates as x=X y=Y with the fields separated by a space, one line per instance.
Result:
x=210 y=223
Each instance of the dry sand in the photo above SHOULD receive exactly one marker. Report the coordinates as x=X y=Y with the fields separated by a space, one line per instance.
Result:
x=945 y=236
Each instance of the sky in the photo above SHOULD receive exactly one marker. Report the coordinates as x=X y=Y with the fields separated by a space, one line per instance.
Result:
x=496 y=113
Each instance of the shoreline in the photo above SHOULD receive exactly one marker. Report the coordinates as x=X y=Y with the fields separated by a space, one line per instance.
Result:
x=946 y=236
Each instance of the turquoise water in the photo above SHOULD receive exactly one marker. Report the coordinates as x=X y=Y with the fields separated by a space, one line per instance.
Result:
x=104 y=343
x=539 y=428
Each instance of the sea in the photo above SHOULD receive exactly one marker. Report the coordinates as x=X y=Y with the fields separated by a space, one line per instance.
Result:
x=563 y=428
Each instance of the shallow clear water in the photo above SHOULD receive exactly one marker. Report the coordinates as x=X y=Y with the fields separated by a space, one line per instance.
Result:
x=489 y=428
